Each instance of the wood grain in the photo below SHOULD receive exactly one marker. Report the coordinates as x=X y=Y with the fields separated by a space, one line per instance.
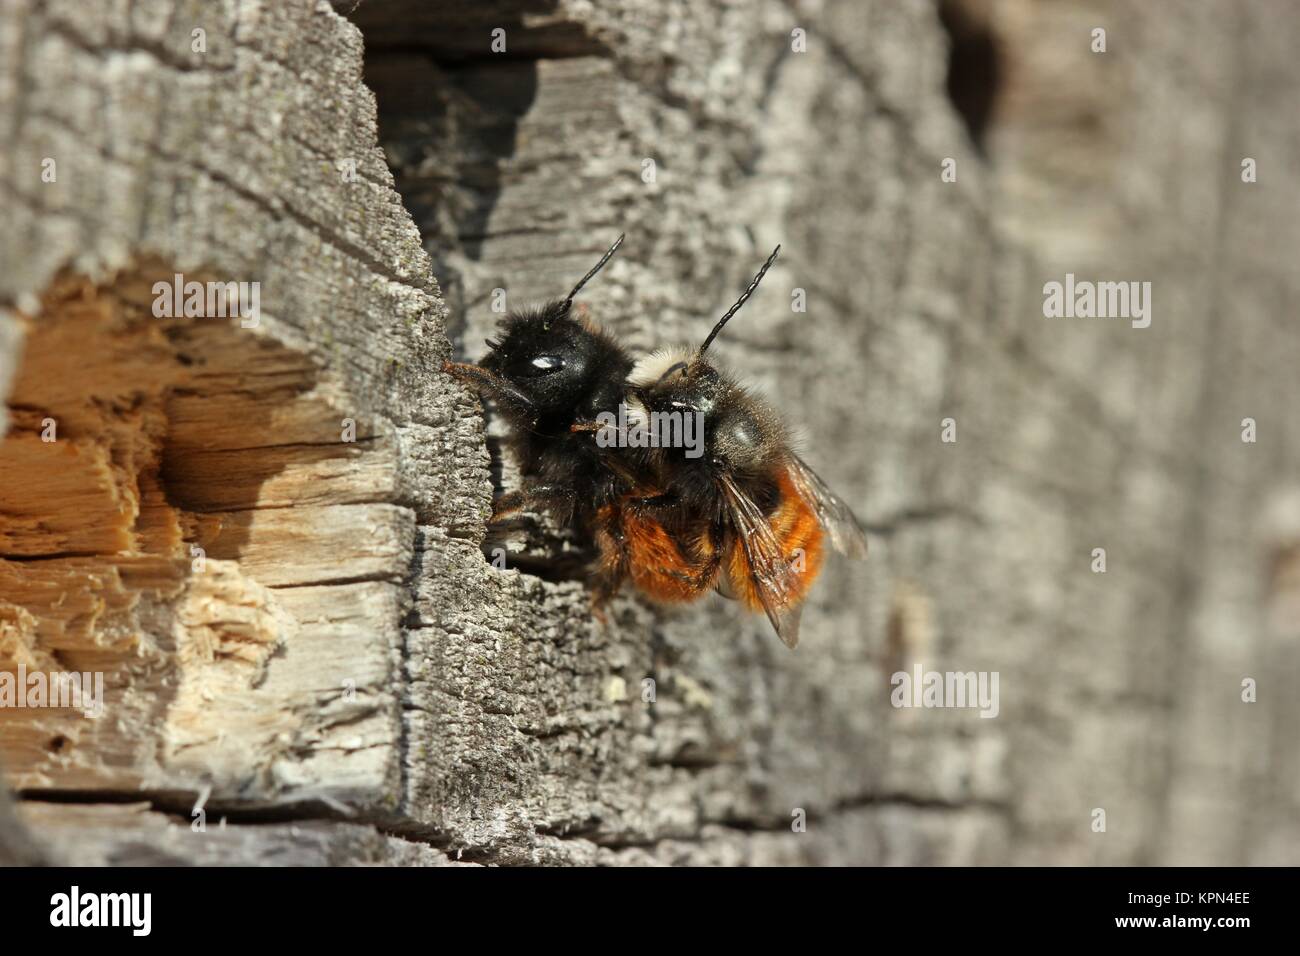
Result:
x=353 y=659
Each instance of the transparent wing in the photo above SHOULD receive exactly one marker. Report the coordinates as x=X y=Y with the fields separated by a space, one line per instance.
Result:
x=836 y=517
x=773 y=576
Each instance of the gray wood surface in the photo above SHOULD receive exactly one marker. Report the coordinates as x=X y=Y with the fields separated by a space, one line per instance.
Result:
x=350 y=680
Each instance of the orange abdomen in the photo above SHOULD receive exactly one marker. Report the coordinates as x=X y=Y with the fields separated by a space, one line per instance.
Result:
x=796 y=526
x=661 y=566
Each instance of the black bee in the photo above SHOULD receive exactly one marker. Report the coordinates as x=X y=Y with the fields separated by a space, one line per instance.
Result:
x=548 y=371
x=746 y=517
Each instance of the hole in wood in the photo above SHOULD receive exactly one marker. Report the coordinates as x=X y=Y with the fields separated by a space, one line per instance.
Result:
x=178 y=506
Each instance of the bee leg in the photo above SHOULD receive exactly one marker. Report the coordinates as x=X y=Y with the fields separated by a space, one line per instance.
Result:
x=599 y=602
x=507 y=505
x=538 y=496
x=604 y=585
x=609 y=572
x=706 y=577
x=484 y=381
x=652 y=502
x=606 y=582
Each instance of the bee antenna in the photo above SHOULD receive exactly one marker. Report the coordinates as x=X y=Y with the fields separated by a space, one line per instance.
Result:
x=594 y=269
x=741 y=301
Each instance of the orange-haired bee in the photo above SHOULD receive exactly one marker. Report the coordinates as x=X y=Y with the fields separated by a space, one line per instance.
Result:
x=747 y=516
x=739 y=511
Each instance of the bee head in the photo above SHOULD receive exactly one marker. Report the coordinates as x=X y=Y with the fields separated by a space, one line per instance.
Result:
x=549 y=369
x=556 y=366
x=675 y=380
x=740 y=432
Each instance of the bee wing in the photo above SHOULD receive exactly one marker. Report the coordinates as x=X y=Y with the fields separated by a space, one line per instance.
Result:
x=836 y=517
x=786 y=622
x=772 y=574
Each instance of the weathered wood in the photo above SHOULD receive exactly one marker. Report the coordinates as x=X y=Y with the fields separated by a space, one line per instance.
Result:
x=135 y=835
x=267 y=669
x=348 y=647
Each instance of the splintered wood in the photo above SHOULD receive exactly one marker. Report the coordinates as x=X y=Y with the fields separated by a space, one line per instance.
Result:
x=162 y=483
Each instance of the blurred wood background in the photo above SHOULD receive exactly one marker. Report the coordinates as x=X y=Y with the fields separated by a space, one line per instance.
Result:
x=345 y=677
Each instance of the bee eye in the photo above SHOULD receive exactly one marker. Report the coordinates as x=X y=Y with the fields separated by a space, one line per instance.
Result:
x=544 y=364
